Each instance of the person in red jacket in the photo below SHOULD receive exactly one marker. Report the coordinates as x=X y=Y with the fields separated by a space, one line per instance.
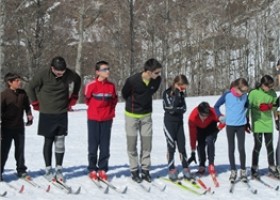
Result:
x=101 y=98
x=204 y=126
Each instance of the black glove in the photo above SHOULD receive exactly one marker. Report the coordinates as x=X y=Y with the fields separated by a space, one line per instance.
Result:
x=248 y=125
x=248 y=128
x=192 y=158
x=29 y=123
x=277 y=125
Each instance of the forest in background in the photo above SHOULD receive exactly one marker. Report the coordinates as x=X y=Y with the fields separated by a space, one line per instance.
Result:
x=212 y=42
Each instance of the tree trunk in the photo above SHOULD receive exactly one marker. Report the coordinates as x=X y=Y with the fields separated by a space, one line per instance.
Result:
x=81 y=38
x=2 y=21
x=132 y=36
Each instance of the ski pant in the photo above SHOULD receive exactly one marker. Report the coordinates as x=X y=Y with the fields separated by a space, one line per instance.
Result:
x=239 y=131
x=144 y=126
x=174 y=133
x=258 y=137
x=8 y=135
x=278 y=151
x=206 y=137
x=59 y=142
x=99 y=136
x=54 y=129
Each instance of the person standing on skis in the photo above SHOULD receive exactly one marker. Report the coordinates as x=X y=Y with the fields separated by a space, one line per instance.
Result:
x=101 y=98
x=14 y=103
x=137 y=92
x=261 y=103
x=236 y=105
x=174 y=106
x=49 y=94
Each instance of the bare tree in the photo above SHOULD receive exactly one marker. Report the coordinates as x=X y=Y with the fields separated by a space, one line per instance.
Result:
x=2 y=21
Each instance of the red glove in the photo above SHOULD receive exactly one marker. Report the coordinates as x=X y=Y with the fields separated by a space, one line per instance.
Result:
x=35 y=105
x=72 y=101
x=265 y=106
x=221 y=126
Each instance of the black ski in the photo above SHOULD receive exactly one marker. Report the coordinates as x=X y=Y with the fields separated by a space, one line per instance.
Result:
x=99 y=186
x=252 y=190
x=34 y=184
x=266 y=184
x=66 y=188
x=232 y=185
x=113 y=187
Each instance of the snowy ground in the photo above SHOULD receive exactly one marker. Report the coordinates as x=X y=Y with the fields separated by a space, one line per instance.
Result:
x=75 y=163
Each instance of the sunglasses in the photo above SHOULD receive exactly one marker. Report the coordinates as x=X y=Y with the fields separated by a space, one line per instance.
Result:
x=241 y=90
x=156 y=73
x=104 y=70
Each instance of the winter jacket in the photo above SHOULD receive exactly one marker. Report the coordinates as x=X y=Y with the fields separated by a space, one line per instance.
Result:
x=101 y=98
x=236 y=108
x=174 y=105
x=53 y=92
x=195 y=122
x=138 y=95
x=13 y=104
x=261 y=121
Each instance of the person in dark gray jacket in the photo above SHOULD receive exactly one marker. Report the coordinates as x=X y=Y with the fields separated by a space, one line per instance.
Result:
x=49 y=94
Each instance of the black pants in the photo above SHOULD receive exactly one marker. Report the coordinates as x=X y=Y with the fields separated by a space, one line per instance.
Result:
x=278 y=150
x=239 y=131
x=99 y=136
x=174 y=133
x=47 y=152
x=206 y=137
x=258 y=137
x=8 y=135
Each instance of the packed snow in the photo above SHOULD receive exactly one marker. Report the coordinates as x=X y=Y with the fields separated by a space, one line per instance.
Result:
x=75 y=163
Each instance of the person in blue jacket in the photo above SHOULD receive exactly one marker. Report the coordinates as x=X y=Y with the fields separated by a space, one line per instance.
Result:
x=236 y=103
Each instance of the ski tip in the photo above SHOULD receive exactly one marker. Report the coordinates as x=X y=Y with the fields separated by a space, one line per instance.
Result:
x=21 y=189
x=78 y=191
x=48 y=188
x=106 y=191
x=124 y=190
x=163 y=188
x=4 y=194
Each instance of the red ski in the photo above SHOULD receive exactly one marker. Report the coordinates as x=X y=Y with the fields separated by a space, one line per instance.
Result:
x=215 y=180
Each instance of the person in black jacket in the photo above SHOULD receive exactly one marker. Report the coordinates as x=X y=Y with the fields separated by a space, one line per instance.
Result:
x=175 y=106
x=137 y=92
x=14 y=101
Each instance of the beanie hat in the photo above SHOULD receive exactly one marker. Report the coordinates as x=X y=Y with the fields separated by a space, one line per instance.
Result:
x=204 y=108
x=58 y=63
x=11 y=77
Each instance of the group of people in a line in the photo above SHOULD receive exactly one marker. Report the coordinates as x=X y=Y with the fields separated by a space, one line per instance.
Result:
x=49 y=93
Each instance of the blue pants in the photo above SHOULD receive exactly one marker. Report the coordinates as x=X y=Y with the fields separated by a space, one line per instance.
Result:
x=99 y=136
